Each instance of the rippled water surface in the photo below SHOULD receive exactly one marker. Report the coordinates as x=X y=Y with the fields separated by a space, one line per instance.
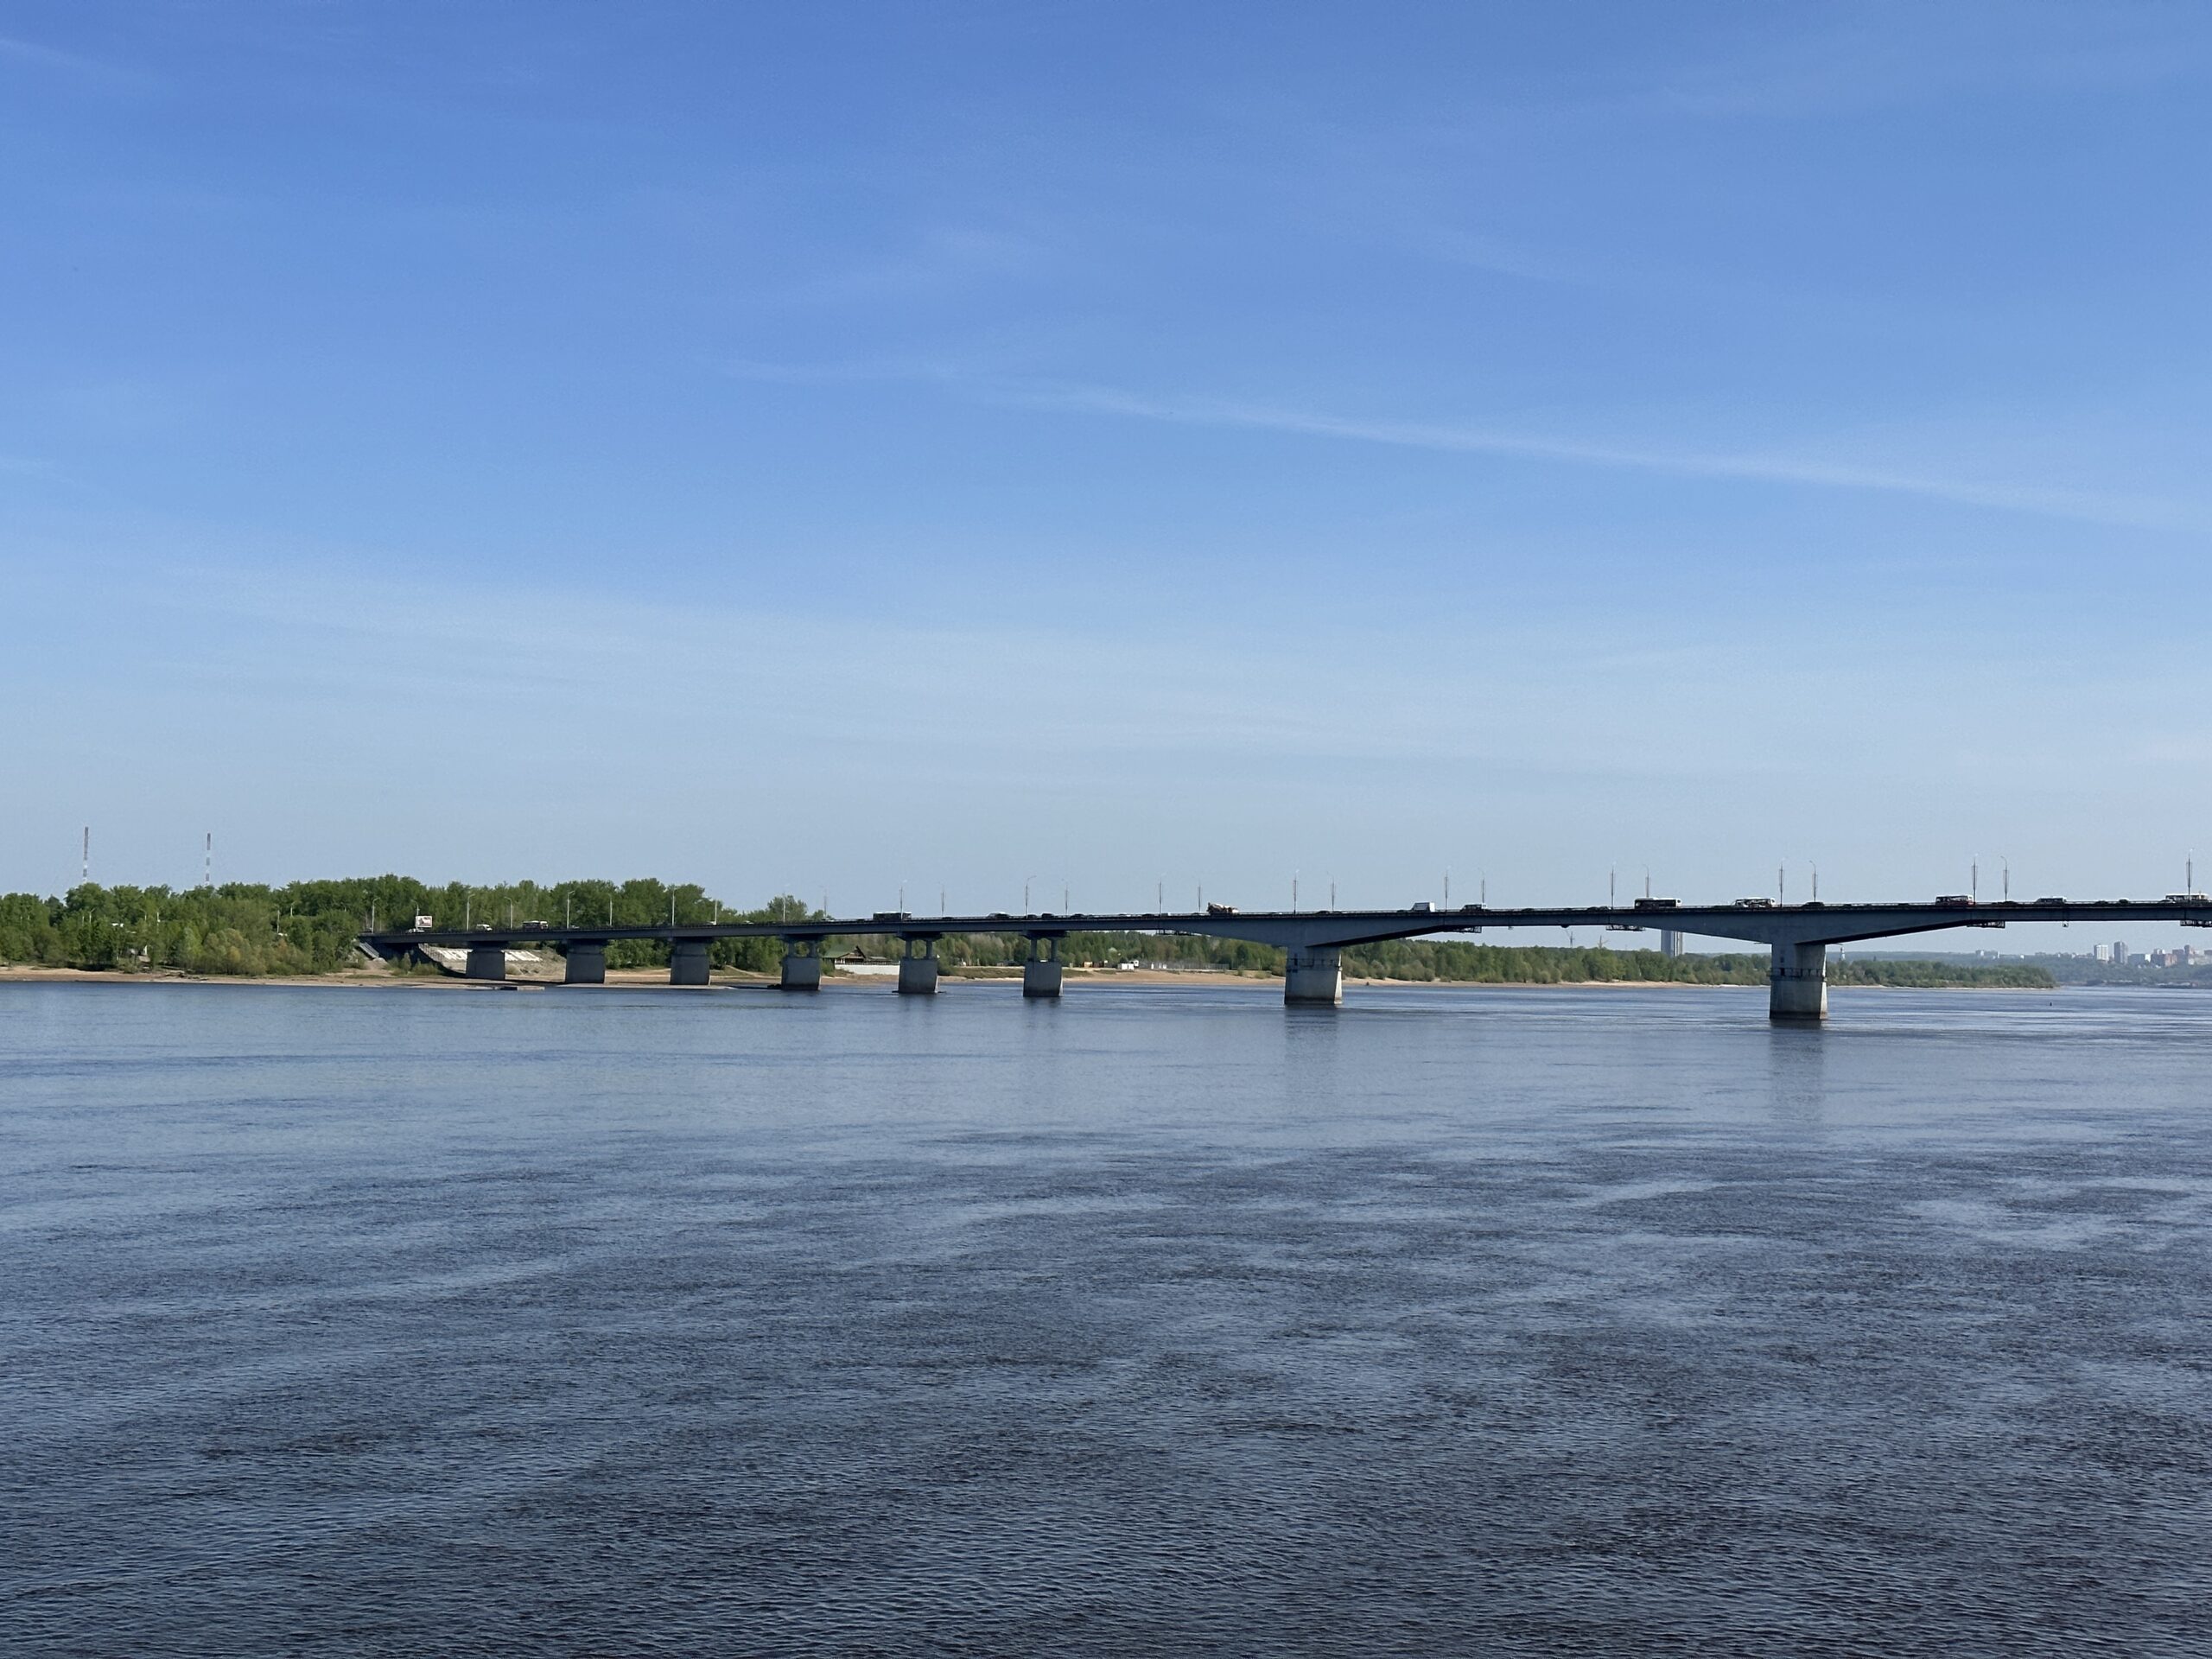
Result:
x=1151 y=1322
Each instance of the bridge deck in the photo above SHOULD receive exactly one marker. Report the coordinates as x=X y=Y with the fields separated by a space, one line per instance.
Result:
x=1807 y=924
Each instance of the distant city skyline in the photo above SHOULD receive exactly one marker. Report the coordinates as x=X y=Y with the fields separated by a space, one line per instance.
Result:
x=837 y=448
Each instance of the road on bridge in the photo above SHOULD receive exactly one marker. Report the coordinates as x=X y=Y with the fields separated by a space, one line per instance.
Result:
x=1314 y=942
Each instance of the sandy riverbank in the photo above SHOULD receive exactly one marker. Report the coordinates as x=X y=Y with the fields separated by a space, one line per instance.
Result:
x=1075 y=979
x=627 y=978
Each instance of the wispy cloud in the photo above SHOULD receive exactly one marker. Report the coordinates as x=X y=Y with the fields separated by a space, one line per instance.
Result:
x=14 y=49
x=479 y=654
x=1879 y=56
x=1806 y=471
x=942 y=260
x=1747 y=465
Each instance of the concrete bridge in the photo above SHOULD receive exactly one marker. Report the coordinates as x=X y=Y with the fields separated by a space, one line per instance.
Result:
x=1797 y=936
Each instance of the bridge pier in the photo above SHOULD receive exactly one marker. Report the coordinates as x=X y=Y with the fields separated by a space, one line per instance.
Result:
x=586 y=964
x=487 y=962
x=917 y=969
x=1313 y=974
x=1797 y=983
x=802 y=965
x=1040 y=975
x=687 y=962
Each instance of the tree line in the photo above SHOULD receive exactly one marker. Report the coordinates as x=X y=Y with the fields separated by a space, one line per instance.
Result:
x=309 y=927
x=1452 y=962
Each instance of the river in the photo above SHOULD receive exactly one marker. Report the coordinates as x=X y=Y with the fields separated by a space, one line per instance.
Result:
x=1460 y=1321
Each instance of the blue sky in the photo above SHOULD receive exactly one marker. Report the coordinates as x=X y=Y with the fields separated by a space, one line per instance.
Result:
x=820 y=448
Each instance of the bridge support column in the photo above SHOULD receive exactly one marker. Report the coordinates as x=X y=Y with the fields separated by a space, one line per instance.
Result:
x=587 y=962
x=487 y=962
x=802 y=965
x=1314 y=973
x=1797 y=983
x=687 y=963
x=1040 y=975
x=917 y=969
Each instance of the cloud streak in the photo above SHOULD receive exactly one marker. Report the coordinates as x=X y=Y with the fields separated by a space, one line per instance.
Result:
x=14 y=49
x=1752 y=466
x=1744 y=465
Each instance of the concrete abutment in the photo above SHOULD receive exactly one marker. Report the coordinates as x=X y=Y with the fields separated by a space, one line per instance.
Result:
x=586 y=964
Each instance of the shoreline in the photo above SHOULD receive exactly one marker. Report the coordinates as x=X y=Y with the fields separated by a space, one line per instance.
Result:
x=656 y=979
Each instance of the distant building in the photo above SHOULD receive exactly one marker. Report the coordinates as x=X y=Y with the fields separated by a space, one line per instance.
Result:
x=2119 y=953
x=1670 y=942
